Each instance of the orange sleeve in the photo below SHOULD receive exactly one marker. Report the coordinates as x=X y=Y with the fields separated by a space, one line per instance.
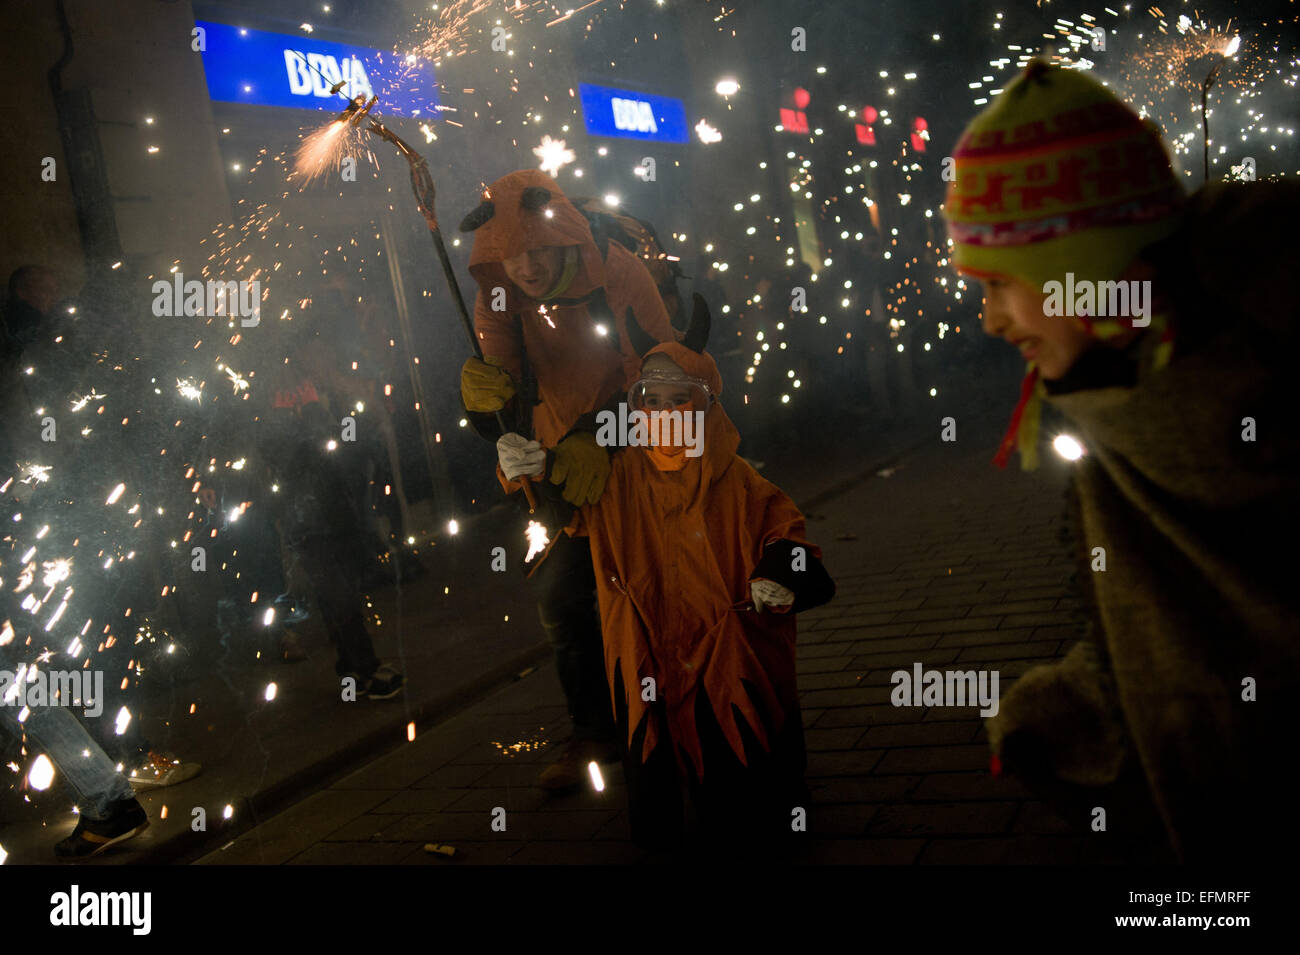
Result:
x=577 y=527
x=627 y=276
x=498 y=335
x=511 y=487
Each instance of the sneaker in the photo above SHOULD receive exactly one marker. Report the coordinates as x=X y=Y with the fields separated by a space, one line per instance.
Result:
x=570 y=770
x=384 y=684
x=93 y=836
x=159 y=770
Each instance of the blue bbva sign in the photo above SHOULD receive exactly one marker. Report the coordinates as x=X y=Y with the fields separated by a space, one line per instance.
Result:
x=275 y=69
x=614 y=112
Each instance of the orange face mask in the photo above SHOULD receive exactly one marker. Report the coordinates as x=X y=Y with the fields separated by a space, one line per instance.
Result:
x=664 y=456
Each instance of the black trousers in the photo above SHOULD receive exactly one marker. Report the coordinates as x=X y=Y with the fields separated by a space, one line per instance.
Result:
x=333 y=567
x=743 y=810
x=565 y=589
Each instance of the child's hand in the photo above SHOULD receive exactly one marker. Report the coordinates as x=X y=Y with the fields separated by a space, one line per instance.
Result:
x=771 y=594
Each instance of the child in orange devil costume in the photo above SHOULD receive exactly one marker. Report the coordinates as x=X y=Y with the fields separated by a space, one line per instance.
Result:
x=701 y=565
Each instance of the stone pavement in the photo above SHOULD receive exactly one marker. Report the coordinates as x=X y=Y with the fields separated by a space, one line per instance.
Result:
x=941 y=560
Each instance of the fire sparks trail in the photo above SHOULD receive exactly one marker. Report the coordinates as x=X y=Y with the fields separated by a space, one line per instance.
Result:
x=322 y=151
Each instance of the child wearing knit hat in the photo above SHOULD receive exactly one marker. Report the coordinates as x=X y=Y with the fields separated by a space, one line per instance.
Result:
x=1188 y=488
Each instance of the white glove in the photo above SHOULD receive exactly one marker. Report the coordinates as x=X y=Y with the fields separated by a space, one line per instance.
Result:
x=519 y=456
x=769 y=593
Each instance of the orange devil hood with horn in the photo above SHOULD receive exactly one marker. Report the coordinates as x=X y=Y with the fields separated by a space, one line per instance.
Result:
x=674 y=552
x=577 y=366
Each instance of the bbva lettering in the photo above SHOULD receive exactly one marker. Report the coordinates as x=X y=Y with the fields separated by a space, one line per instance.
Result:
x=634 y=114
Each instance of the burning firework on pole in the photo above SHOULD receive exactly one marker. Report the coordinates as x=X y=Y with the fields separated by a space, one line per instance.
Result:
x=1229 y=51
x=317 y=156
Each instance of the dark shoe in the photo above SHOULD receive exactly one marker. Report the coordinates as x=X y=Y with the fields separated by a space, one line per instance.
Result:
x=92 y=836
x=384 y=684
x=159 y=770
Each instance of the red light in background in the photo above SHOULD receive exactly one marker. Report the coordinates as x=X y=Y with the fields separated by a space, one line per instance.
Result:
x=919 y=134
x=866 y=134
x=794 y=121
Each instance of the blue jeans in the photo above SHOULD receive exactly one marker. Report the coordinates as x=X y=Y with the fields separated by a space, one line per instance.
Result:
x=84 y=766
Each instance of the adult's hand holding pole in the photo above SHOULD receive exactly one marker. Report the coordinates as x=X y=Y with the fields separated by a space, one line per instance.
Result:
x=582 y=466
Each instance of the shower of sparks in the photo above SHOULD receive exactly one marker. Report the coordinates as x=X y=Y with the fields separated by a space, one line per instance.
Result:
x=554 y=155
x=188 y=389
x=537 y=539
x=322 y=152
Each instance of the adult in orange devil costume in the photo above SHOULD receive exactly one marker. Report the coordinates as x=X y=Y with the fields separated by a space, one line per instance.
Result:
x=701 y=565
x=552 y=316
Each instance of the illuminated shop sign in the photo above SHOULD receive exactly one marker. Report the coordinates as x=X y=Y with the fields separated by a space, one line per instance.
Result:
x=276 y=69
x=629 y=115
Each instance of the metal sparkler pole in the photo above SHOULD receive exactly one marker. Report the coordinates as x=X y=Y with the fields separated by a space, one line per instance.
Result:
x=422 y=185
x=1210 y=77
x=1205 y=123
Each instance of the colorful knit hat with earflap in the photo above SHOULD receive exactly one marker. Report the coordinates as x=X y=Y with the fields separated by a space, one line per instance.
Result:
x=1057 y=175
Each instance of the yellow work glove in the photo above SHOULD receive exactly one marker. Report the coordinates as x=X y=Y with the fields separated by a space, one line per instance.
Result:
x=582 y=466
x=485 y=385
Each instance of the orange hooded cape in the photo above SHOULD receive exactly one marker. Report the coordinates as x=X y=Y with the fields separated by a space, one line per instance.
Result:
x=674 y=552
x=577 y=369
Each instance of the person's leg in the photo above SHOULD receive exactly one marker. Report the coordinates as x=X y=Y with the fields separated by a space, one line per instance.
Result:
x=88 y=771
x=656 y=817
x=748 y=810
x=565 y=585
x=338 y=597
